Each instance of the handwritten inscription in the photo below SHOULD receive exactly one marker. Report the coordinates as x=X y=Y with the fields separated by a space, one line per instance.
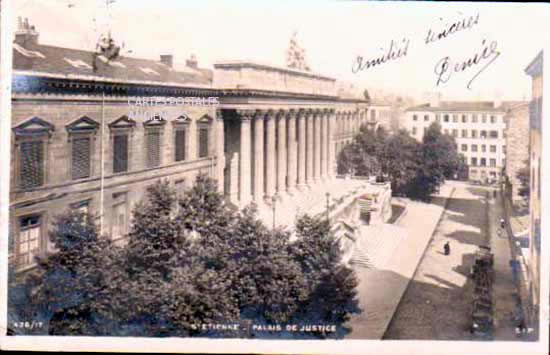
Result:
x=464 y=24
x=395 y=50
x=446 y=67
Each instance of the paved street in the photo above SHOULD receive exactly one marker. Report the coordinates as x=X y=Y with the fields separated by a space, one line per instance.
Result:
x=381 y=288
x=437 y=303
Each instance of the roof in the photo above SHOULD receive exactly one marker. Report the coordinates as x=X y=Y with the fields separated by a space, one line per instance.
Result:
x=80 y=63
x=459 y=106
x=535 y=67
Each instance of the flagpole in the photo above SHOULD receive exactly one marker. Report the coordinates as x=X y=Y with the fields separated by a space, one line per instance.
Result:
x=102 y=165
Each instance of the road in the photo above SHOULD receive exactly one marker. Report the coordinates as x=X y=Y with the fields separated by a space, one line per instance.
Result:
x=437 y=302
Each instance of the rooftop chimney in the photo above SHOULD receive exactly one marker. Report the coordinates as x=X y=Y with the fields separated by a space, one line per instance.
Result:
x=26 y=34
x=192 y=62
x=167 y=59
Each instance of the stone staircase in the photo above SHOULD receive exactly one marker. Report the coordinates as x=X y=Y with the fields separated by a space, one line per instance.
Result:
x=375 y=245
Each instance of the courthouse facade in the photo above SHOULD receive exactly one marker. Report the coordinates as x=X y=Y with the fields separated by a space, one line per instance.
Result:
x=92 y=133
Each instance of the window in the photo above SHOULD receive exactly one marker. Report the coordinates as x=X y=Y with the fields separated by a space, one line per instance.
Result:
x=455 y=132
x=30 y=237
x=425 y=130
x=83 y=206
x=81 y=162
x=31 y=152
x=483 y=134
x=414 y=131
x=474 y=161
x=119 y=214
x=493 y=162
x=484 y=118
x=483 y=162
x=426 y=118
x=473 y=172
x=493 y=134
x=474 y=133
x=493 y=148
x=493 y=119
x=121 y=130
x=203 y=142
x=415 y=118
x=483 y=148
x=504 y=149
x=120 y=153
x=455 y=118
x=464 y=147
x=180 y=144
x=31 y=166
x=438 y=117
x=464 y=119
x=81 y=137
x=179 y=186
x=464 y=133
x=445 y=118
x=204 y=126
x=152 y=150
x=474 y=118
x=474 y=147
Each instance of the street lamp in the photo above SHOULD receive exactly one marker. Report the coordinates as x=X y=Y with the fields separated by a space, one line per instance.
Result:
x=328 y=201
x=274 y=202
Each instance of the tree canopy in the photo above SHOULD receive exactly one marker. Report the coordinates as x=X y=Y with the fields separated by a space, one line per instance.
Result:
x=188 y=261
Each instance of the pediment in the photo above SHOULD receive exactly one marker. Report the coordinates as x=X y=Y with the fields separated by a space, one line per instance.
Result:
x=205 y=119
x=33 y=126
x=83 y=124
x=182 y=119
x=155 y=121
x=122 y=122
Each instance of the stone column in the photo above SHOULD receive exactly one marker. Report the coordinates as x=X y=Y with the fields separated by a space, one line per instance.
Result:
x=292 y=151
x=317 y=151
x=270 y=162
x=302 y=140
x=245 y=191
x=281 y=153
x=259 y=156
x=331 y=166
x=310 y=145
x=323 y=145
x=220 y=151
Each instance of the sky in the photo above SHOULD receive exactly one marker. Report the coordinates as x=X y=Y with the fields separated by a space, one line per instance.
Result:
x=333 y=33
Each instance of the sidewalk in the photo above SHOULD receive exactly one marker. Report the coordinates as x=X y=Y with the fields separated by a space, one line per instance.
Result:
x=380 y=290
x=504 y=287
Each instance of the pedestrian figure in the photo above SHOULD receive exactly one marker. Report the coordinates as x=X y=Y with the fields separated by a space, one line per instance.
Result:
x=447 y=248
x=502 y=223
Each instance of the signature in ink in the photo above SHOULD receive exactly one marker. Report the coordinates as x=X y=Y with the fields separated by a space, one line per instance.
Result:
x=464 y=24
x=396 y=50
x=445 y=67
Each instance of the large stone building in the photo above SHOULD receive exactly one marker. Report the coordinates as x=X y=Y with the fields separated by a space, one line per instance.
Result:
x=517 y=154
x=91 y=132
x=478 y=127
x=535 y=70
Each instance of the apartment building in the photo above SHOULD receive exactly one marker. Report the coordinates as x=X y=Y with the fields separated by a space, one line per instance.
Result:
x=479 y=128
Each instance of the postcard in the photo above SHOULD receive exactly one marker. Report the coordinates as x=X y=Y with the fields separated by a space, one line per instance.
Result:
x=273 y=177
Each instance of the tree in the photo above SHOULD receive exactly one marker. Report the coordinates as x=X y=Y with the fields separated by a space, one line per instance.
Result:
x=331 y=286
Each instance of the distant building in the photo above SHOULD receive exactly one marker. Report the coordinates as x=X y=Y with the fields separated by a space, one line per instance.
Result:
x=380 y=115
x=478 y=127
x=535 y=71
x=517 y=151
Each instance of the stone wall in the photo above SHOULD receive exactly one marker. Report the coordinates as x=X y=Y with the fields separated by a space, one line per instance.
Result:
x=517 y=151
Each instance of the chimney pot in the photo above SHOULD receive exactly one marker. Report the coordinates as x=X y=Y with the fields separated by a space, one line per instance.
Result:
x=167 y=59
x=26 y=34
x=192 y=62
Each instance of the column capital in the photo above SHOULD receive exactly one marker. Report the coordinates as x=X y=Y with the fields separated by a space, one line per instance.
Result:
x=293 y=113
x=245 y=114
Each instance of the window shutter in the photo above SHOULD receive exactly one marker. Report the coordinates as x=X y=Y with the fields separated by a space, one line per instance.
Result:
x=81 y=158
x=180 y=145
x=153 y=148
x=32 y=157
x=203 y=142
x=120 y=153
